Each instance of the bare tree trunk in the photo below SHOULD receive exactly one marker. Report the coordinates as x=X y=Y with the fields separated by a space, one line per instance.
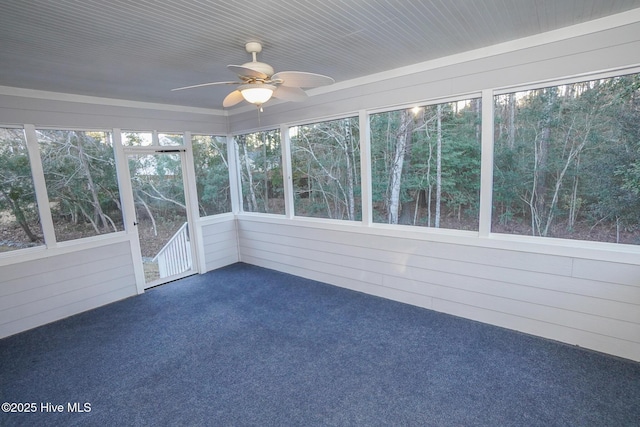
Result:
x=575 y=151
x=160 y=196
x=346 y=147
x=417 y=208
x=253 y=203
x=86 y=215
x=153 y=220
x=99 y=214
x=532 y=198
x=330 y=213
x=573 y=207
x=220 y=151
x=429 y=206
x=354 y=144
x=404 y=133
x=20 y=216
x=340 y=194
x=429 y=185
x=511 y=124
x=438 y=166
x=541 y=165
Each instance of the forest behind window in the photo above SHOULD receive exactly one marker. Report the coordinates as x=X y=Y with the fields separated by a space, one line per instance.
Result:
x=171 y=139
x=567 y=161
x=566 y=165
x=260 y=164
x=425 y=165
x=212 y=174
x=325 y=160
x=19 y=220
x=137 y=139
x=80 y=174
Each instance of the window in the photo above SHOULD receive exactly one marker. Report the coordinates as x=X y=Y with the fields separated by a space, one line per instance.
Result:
x=19 y=219
x=325 y=160
x=137 y=139
x=212 y=174
x=260 y=165
x=172 y=139
x=425 y=165
x=567 y=161
x=80 y=174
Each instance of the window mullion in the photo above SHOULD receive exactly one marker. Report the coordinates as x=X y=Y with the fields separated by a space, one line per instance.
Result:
x=285 y=145
x=190 y=178
x=486 y=166
x=235 y=183
x=365 y=168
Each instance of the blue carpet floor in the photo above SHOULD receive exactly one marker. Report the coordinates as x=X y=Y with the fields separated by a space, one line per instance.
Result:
x=247 y=346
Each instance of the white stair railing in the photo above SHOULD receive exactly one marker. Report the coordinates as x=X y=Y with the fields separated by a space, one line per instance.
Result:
x=175 y=256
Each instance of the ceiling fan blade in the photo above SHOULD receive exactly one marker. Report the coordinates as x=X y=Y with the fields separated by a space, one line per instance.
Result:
x=302 y=79
x=207 y=84
x=232 y=99
x=246 y=72
x=294 y=94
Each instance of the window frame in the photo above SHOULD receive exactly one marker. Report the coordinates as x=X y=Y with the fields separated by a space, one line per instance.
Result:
x=30 y=157
x=110 y=138
x=191 y=160
x=579 y=245
x=423 y=104
x=235 y=172
x=484 y=237
x=355 y=118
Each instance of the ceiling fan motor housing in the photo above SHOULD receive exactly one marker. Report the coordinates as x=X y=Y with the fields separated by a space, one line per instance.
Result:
x=260 y=67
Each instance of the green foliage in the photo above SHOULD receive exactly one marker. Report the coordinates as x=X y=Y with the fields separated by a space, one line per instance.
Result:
x=566 y=164
x=326 y=168
x=417 y=161
x=80 y=173
x=261 y=171
x=17 y=196
x=569 y=166
x=212 y=174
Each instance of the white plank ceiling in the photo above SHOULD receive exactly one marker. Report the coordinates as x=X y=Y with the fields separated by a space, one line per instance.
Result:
x=139 y=49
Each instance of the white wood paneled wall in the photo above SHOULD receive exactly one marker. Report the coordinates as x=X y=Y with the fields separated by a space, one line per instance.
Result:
x=19 y=106
x=42 y=290
x=580 y=301
x=219 y=242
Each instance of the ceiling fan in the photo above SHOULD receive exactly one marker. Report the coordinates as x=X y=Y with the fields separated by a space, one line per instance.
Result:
x=258 y=83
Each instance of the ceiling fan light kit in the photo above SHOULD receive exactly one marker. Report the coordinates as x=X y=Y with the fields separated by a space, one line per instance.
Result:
x=259 y=83
x=257 y=93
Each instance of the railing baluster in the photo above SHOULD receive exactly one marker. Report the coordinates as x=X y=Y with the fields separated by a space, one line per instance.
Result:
x=175 y=255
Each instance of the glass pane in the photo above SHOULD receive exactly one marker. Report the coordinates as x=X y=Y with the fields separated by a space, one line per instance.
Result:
x=260 y=167
x=212 y=174
x=567 y=161
x=158 y=192
x=19 y=219
x=325 y=160
x=170 y=139
x=425 y=165
x=80 y=173
x=137 y=139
